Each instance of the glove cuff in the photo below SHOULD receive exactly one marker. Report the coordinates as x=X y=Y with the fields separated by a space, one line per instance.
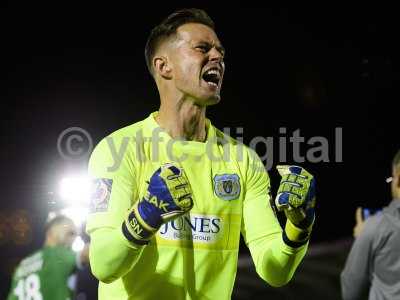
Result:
x=294 y=236
x=307 y=222
x=135 y=229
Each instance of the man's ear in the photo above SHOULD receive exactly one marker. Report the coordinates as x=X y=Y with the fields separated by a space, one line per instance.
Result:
x=161 y=67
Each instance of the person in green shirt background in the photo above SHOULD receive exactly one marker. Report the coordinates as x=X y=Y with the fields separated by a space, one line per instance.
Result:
x=47 y=274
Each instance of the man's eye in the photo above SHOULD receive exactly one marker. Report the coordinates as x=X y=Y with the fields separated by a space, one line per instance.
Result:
x=202 y=48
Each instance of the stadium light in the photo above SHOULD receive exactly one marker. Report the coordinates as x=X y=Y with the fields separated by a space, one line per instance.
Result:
x=75 y=190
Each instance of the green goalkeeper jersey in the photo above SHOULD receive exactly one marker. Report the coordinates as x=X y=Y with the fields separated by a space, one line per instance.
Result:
x=44 y=275
x=194 y=256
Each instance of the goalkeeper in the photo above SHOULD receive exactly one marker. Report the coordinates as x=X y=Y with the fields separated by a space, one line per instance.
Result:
x=168 y=206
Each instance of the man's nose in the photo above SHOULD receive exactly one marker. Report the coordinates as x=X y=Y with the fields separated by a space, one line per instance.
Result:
x=215 y=55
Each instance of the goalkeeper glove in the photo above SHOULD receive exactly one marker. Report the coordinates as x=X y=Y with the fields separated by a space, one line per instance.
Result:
x=168 y=196
x=296 y=197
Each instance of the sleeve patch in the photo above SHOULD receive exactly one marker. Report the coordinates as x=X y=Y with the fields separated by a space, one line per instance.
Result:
x=100 y=195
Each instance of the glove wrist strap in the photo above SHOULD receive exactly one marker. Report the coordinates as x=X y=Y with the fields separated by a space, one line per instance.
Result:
x=290 y=243
x=135 y=230
x=294 y=236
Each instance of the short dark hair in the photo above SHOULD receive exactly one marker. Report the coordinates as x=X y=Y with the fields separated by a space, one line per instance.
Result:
x=168 y=28
x=58 y=219
x=396 y=160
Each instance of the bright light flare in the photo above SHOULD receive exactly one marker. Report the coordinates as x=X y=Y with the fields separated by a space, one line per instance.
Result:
x=75 y=190
x=78 y=244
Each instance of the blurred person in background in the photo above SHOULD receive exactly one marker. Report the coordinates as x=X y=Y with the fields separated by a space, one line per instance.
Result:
x=48 y=273
x=373 y=265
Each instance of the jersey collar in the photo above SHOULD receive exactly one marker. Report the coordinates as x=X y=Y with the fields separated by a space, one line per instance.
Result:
x=151 y=129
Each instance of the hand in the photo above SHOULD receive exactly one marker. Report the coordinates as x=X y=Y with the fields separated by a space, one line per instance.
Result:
x=296 y=196
x=169 y=196
x=358 y=228
x=84 y=254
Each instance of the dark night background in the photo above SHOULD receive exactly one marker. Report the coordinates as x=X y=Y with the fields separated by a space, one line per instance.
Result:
x=309 y=67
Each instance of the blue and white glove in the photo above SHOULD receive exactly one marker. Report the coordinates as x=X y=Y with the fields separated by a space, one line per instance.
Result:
x=168 y=196
x=296 y=197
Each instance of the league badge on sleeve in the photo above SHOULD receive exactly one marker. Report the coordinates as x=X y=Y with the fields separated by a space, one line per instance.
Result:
x=100 y=195
x=227 y=186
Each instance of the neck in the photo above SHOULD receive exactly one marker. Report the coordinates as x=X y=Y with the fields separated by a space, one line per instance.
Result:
x=183 y=119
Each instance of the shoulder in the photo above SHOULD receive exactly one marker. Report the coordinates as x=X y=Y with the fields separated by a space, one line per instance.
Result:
x=246 y=158
x=385 y=225
x=225 y=140
x=32 y=262
x=35 y=256
x=372 y=228
x=391 y=214
x=128 y=131
x=373 y=222
x=119 y=137
x=114 y=148
x=60 y=254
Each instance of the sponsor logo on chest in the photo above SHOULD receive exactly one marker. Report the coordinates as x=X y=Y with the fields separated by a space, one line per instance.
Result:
x=200 y=228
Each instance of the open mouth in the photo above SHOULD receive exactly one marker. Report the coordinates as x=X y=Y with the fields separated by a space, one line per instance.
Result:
x=212 y=76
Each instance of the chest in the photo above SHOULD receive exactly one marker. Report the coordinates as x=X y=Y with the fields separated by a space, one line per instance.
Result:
x=215 y=219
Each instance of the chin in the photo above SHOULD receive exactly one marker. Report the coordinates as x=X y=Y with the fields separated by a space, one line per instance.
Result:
x=205 y=97
x=208 y=100
x=214 y=100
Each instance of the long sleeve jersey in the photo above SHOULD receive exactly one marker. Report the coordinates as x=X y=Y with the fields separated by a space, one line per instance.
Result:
x=194 y=256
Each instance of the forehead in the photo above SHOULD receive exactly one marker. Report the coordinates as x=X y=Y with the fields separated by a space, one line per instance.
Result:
x=194 y=32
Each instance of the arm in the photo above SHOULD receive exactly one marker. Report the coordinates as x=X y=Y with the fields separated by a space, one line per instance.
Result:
x=83 y=256
x=360 y=223
x=120 y=230
x=111 y=255
x=355 y=278
x=275 y=261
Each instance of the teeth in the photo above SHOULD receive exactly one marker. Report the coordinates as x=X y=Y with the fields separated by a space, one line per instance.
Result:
x=213 y=72
x=215 y=75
